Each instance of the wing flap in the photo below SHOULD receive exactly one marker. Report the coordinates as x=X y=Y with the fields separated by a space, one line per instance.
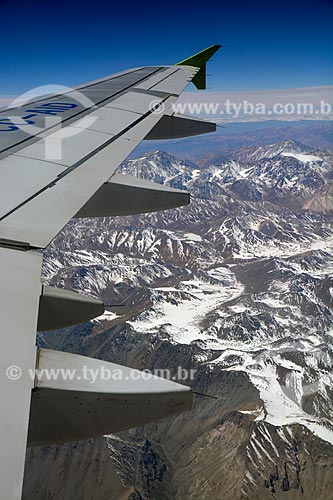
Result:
x=59 y=308
x=175 y=126
x=87 y=397
x=127 y=195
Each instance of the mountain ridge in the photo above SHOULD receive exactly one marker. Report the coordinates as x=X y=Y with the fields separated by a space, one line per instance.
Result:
x=236 y=287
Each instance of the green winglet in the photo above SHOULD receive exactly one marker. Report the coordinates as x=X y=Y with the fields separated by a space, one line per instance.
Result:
x=199 y=61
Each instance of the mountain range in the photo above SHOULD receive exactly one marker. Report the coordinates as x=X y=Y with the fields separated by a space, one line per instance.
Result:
x=238 y=287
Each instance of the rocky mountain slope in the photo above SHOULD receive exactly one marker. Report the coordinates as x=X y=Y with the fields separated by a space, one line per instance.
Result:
x=238 y=287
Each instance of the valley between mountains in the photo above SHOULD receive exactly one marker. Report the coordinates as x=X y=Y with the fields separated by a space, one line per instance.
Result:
x=237 y=286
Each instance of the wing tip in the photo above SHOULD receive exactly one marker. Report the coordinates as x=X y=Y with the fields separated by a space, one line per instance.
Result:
x=199 y=60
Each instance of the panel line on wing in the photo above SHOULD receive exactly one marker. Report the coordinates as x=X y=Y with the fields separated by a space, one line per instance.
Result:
x=80 y=162
x=71 y=119
x=154 y=93
x=162 y=80
x=85 y=86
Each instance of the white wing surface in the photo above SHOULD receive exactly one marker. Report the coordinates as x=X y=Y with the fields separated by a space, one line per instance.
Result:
x=58 y=158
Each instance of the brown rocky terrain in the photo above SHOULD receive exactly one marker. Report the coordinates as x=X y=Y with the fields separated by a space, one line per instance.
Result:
x=235 y=287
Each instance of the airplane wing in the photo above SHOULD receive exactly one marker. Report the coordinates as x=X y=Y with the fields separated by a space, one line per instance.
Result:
x=58 y=160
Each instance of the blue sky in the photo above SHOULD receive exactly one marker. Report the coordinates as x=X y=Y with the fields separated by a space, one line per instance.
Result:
x=269 y=45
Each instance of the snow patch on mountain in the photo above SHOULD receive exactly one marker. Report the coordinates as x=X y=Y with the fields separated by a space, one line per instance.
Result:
x=241 y=275
x=181 y=310
x=305 y=158
x=283 y=383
